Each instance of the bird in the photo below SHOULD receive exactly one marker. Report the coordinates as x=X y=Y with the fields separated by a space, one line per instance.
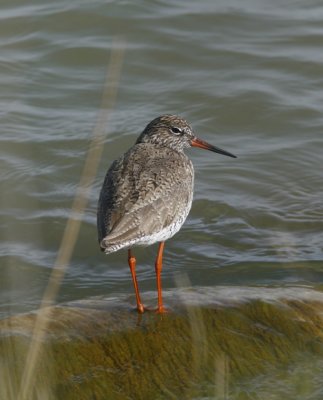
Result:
x=147 y=193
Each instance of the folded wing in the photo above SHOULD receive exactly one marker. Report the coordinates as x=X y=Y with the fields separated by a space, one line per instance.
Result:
x=142 y=195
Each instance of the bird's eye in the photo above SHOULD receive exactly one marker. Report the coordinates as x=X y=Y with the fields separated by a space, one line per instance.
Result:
x=175 y=130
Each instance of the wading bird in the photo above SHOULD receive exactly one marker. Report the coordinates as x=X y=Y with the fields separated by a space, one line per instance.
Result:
x=147 y=193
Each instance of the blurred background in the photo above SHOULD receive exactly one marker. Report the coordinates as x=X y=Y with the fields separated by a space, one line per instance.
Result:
x=247 y=75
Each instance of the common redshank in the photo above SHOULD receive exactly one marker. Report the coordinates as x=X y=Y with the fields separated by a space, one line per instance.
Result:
x=147 y=193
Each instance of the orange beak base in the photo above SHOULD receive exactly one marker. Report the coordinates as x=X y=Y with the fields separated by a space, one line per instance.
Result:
x=206 y=146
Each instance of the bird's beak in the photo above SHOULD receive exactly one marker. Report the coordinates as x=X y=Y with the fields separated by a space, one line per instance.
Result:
x=204 y=145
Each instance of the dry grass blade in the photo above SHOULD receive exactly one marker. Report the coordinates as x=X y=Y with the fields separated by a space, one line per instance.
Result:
x=74 y=222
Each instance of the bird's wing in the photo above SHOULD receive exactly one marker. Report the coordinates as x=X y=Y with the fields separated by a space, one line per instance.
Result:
x=143 y=193
x=149 y=219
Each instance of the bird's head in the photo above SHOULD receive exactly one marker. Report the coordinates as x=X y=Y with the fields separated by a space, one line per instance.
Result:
x=174 y=132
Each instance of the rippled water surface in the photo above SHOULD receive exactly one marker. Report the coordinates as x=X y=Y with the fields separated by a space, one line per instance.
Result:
x=247 y=75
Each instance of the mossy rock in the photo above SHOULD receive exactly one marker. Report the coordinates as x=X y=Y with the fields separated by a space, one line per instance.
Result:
x=211 y=341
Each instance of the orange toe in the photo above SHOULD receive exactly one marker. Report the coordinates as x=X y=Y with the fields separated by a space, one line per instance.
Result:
x=161 y=310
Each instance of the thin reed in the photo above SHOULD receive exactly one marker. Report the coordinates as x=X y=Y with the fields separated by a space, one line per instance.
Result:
x=74 y=222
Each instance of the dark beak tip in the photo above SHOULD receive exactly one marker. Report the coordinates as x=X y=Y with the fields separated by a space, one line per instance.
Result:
x=206 y=146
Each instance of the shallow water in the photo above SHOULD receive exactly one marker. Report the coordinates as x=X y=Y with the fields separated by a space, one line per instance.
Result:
x=248 y=77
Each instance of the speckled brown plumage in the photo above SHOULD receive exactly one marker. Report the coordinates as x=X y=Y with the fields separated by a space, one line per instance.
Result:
x=147 y=192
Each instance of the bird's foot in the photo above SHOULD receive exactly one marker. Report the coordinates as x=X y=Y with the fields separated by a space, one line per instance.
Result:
x=161 y=310
x=141 y=308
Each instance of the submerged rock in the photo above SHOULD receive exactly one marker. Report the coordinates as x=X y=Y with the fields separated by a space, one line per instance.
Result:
x=212 y=341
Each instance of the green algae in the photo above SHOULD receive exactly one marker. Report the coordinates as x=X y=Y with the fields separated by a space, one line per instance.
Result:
x=169 y=356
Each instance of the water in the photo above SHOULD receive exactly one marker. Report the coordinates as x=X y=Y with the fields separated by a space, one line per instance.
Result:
x=246 y=75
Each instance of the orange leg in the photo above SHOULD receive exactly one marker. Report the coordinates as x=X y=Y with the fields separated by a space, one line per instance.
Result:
x=132 y=265
x=158 y=269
